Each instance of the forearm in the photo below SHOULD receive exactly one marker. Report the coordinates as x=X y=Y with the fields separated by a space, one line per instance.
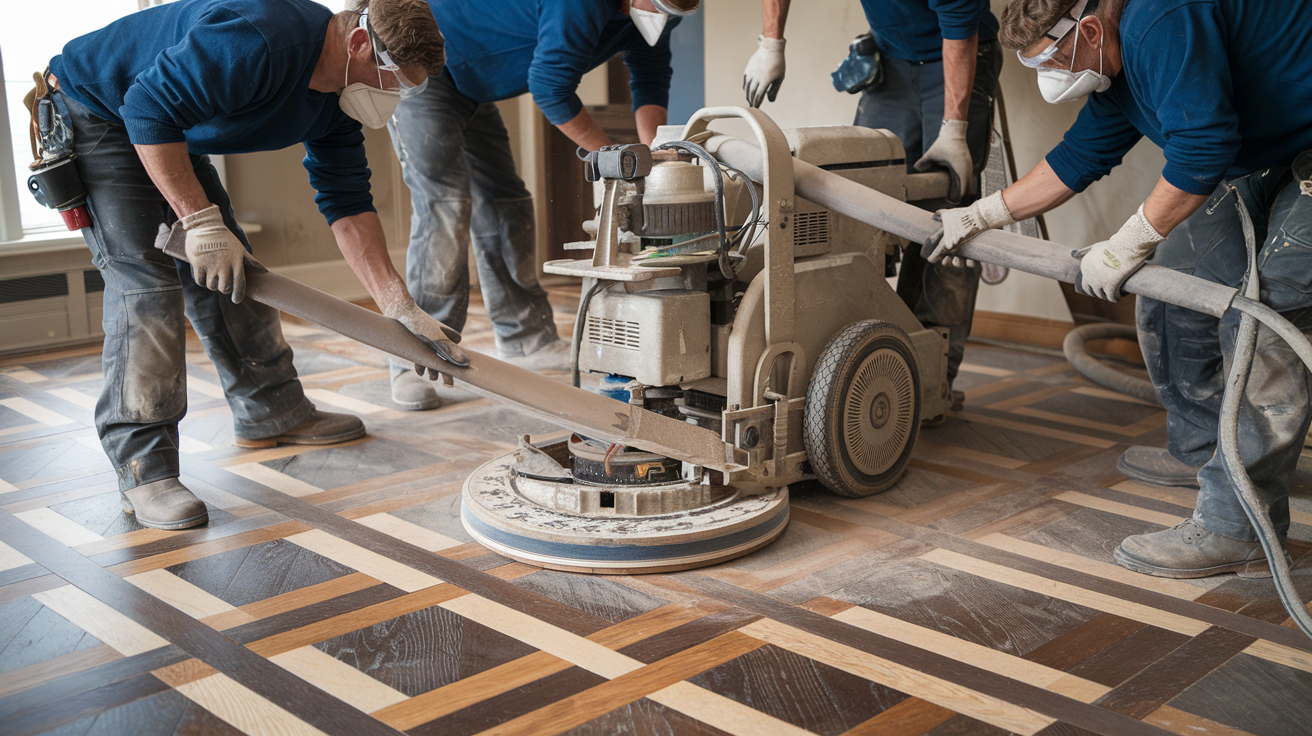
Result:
x=1168 y=206
x=649 y=118
x=584 y=131
x=169 y=167
x=1037 y=192
x=958 y=76
x=774 y=15
x=361 y=240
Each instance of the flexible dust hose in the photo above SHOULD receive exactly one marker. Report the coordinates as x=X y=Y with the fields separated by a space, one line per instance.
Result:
x=1074 y=347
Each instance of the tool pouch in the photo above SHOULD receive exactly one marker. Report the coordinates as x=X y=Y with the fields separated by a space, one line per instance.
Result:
x=55 y=182
x=862 y=69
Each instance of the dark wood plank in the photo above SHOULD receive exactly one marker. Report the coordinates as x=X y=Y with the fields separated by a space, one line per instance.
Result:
x=1129 y=656
x=74 y=684
x=313 y=613
x=656 y=648
x=88 y=704
x=510 y=705
x=31 y=633
x=599 y=596
x=644 y=718
x=1083 y=642
x=260 y=571
x=1254 y=695
x=800 y=691
x=1161 y=681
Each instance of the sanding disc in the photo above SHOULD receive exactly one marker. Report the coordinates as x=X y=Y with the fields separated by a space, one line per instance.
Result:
x=504 y=521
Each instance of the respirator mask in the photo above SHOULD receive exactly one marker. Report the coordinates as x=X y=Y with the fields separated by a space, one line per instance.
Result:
x=652 y=24
x=373 y=106
x=1067 y=85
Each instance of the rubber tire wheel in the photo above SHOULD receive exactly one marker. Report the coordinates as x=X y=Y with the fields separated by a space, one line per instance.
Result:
x=823 y=432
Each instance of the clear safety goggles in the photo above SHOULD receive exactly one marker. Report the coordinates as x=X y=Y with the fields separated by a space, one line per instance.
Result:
x=1061 y=29
x=385 y=63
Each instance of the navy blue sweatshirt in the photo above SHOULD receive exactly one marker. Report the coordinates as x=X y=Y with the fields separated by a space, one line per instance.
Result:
x=225 y=76
x=1223 y=86
x=913 y=30
x=497 y=49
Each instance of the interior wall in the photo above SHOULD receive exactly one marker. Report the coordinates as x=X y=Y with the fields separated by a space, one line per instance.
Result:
x=818 y=33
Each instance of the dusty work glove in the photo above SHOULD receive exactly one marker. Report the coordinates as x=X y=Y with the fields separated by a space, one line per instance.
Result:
x=401 y=307
x=962 y=224
x=765 y=71
x=216 y=256
x=950 y=151
x=1108 y=264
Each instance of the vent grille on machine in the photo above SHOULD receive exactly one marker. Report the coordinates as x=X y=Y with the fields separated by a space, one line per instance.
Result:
x=810 y=228
x=616 y=332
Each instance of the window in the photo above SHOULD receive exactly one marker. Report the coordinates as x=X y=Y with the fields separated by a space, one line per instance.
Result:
x=33 y=33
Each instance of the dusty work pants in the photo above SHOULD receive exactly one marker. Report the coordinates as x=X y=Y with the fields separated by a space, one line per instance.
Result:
x=1188 y=353
x=146 y=292
x=455 y=157
x=909 y=102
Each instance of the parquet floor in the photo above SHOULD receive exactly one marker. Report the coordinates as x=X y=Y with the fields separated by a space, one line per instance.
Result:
x=335 y=591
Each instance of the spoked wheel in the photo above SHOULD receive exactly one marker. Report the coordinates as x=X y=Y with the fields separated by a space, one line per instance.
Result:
x=863 y=409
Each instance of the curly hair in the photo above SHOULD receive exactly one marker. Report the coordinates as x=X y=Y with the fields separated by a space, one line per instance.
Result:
x=409 y=31
x=1024 y=22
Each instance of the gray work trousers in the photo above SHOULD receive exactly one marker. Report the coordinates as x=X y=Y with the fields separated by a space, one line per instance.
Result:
x=455 y=157
x=1188 y=353
x=146 y=296
x=909 y=103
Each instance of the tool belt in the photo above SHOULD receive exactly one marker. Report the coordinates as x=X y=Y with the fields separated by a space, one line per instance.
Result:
x=862 y=69
x=55 y=182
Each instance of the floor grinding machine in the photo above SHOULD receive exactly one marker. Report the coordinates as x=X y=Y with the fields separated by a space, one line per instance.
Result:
x=743 y=337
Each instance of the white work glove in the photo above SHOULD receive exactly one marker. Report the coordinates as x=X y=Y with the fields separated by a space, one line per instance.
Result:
x=765 y=71
x=1106 y=265
x=401 y=307
x=962 y=224
x=950 y=151
x=216 y=255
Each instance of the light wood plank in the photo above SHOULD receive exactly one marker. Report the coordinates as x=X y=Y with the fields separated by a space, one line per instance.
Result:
x=1102 y=393
x=274 y=479
x=408 y=532
x=1079 y=439
x=63 y=529
x=36 y=412
x=541 y=635
x=364 y=560
x=978 y=655
x=243 y=709
x=11 y=558
x=1066 y=592
x=192 y=446
x=1176 y=588
x=721 y=712
x=1281 y=654
x=985 y=370
x=343 y=402
x=338 y=679
x=179 y=593
x=100 y=620
x=75 y=397
x=1120 y=509
x=900 y=677
x=23 y=375
x=205 y=388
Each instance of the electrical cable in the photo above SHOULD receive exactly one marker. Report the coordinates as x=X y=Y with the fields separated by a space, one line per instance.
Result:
x=576 y=340
x=723 y=260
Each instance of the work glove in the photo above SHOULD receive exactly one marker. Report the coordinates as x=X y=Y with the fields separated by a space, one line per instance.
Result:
x=214 y=252
x=765 y=71
x=950 y=151
x=962 y=224
x=442 y=339
x=1106 y=265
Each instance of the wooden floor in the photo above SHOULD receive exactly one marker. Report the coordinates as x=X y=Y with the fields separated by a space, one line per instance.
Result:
x=334 y=589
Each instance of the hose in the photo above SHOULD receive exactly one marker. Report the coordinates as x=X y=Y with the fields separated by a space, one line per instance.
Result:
x=576 y=340
x=1091 y=368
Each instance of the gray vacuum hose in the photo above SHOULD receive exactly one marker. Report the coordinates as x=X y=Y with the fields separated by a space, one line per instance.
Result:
x=1098 y=372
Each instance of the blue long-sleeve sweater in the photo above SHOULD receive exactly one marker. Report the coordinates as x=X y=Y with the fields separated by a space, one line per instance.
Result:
x=498 y=49
x=913 y=30
x=1223 y=86
x=225 y=76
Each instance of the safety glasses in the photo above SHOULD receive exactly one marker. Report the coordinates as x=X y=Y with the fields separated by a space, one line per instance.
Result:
x=385 y=63
x=1059 y=30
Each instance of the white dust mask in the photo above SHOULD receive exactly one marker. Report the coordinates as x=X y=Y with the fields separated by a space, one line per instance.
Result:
x=1067 y=85
x=373 y=107
x=650 y=25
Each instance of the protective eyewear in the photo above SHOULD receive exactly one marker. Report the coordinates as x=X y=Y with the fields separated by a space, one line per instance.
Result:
x=1060 y=30
x=385 y=63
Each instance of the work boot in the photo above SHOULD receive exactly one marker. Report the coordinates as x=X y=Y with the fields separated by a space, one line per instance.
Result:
x=165 y=504
x=321 y=428
x=1187 y=550
x=413 y=392
x=1156 y=466
x=958 y=400
x=554 y=356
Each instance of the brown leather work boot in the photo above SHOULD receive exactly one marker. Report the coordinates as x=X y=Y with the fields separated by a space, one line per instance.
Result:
x=1156 y=466
x=165 y=504
x=413 y=392
x=1187 y=550
x=320 y=428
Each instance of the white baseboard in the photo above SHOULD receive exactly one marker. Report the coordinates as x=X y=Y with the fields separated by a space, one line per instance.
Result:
x=335 y=277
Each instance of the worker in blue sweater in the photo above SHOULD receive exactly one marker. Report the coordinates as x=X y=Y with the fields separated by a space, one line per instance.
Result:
x=1223 y=87
x=148 y=98
x=456 y=155
x=940 y=66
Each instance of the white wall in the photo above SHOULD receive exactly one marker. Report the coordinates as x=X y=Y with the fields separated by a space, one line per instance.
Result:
x=818 y=33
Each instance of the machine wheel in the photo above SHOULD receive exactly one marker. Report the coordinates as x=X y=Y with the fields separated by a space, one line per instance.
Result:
x=863 y=409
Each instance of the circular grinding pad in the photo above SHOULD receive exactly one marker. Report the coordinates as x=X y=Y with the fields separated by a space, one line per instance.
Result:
x=505 y=522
